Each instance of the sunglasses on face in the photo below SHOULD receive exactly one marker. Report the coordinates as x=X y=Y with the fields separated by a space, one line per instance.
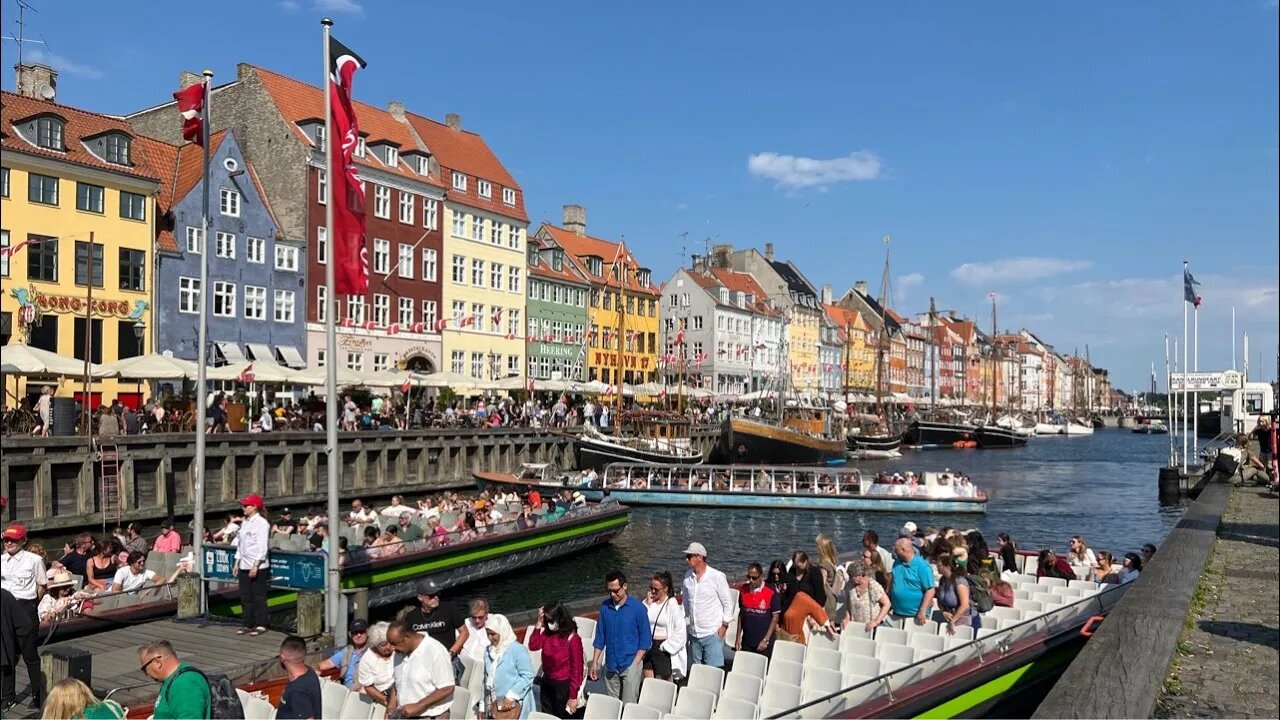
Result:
x=143 y=667
x=753 y=578
x=616 y=591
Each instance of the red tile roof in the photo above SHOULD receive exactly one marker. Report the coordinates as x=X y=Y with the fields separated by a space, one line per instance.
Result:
x=746 y=283
x=298 y=101
x=568 y=272
x=468 y=153
x=180 y=168
x=582 y=246
x=79 y=124
x=842 y=316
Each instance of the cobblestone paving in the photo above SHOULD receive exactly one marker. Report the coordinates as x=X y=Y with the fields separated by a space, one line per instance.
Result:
x=1229 y=657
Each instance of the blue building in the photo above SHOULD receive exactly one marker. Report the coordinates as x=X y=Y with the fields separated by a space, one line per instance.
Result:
x=256 y=276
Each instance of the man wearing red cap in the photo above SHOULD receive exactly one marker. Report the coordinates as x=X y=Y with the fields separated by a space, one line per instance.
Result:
x=22 y=574
x=252 y=566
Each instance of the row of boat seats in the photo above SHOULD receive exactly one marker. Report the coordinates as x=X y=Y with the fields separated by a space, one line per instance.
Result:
x=165 y=563
x=296 y=542
x=336 y=701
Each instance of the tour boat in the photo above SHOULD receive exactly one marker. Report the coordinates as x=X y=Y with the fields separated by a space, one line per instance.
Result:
x=652 y=439
x=928 y=434
x=990 y=437
x=1151 y=426
x=796 y=441
x=750 y=486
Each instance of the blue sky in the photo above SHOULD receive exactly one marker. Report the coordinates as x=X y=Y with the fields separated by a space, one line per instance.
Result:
x=1067 y=156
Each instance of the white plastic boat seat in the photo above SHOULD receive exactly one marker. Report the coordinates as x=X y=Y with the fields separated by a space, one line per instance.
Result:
x=1052 y=582
x=820 y=708
x=1004 y=613
x=787 y=651
x=822 y=658
x=964 y=632
x=860 y=665
x=750 y=663
x=990 y=623
x=1029 y=608
x=1082 y=571
x=859 y=689
x=602 y=707
x=658 y=694
x=854 y=645
x=932 y=643
x=767 y=710
x=1022 y=579
x=695 y=704
x=636 y=711
x=155 y=561
x=705 y=677
x=539 y=715
x=1069 y=591
x=332 y=697
x=1021 y=595
x=742 y=686
x=891 y=635
x=1050 y=607
x=780 y=694
x=1086 y=586
x=822 y=641
x=356 y=706
x=586 y=630
x=785 y=671
x=894 y=653
x=910 y=627
x=857 y=630
x=822 y=679
x=258 y=709
x=1044 y=597
x=734 y=709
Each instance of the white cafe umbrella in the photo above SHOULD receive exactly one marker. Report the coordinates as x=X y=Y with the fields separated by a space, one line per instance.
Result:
x=262 y=371
x=317 y=376
x=153 y=366
x=445 y=379
x=27 y=360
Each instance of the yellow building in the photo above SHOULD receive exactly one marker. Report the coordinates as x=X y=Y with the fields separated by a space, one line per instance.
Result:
x=857 y=358
x=484 y=265
x=803 y=334
x=68 y=176
x=622 y=310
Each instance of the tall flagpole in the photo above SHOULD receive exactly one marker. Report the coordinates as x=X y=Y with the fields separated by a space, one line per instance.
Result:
x=1195 y=367
x=202 y=339
x=333 y=584
x=1233 y=337
x=1168 y=401
x=1185 y=447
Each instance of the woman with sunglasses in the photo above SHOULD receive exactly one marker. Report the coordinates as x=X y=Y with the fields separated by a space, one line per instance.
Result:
x=667 y=625
x=563 y=665
x=100 y=568
x=777 y=581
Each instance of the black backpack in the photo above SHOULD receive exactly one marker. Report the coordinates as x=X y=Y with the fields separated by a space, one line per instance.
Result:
x=980 y=594
x=224 y=702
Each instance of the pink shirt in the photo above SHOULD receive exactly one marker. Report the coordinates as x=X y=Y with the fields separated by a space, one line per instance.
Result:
x=167 y=542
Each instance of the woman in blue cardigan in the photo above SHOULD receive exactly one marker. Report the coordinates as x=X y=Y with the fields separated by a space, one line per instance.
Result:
x=508 y=669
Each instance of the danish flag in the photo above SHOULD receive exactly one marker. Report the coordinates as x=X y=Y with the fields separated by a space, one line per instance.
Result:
x=442 y=324
x=418 y=327
x=347 y=323
x=369 y=325
x=497 y=316
x=512 y=336
x=246 y=375
x=393 y=329
x=680 y=336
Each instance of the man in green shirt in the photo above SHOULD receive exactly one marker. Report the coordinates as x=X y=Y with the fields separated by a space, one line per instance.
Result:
x=184 y=692
x=408 y=530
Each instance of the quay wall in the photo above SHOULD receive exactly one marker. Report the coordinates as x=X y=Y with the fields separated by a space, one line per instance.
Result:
x=1122 y=669
x=56 y=483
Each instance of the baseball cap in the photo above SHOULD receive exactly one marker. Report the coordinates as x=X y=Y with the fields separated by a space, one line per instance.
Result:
x=167 y=524
x=15 y=532
x=696 y=548
x=908 y=529
x=428 y=587
x=286 y=511
x=358 y=625
x=254 y=500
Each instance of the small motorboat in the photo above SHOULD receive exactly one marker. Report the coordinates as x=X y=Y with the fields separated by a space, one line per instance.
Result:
x=1151 y=426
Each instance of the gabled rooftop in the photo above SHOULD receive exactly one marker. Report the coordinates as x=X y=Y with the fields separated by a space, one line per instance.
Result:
x=80 y=124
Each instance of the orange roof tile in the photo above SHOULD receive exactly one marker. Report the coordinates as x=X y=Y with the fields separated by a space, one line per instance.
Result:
x=80 y=124
x=746 y=283
x=844 y=317
x=298 y=101
x=468 y=153
x=180 y=168
x=568 y=272
x=582 y=246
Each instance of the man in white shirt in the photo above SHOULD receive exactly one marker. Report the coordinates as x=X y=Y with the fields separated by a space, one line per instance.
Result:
x=22 y=573
x=424 y=680
x=361 y=515
x=708 y=606
x=134 y=575
x=396 y=508
x=253 y=567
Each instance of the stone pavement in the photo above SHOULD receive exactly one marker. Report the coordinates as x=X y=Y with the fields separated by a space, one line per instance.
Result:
x=1229 y=657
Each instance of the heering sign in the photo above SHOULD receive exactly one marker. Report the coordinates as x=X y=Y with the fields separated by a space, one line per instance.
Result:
x=566 y=351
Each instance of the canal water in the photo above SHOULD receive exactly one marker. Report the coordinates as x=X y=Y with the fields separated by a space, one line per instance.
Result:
x=1101 y=486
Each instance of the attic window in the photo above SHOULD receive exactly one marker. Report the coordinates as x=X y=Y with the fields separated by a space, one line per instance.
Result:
x=740 y=298
x=393 y=156
x=557 y=261
x=508 y=196
x=424 y=165
x=117 y=149
x=595 y=265
x=643 y=278
x=319 y=134
x=459 y=182
x=484 y=188
x=49 y=133
x=724 y=295
x=360 y=147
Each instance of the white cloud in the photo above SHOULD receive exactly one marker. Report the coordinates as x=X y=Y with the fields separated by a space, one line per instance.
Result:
x=1016 y=269
x=799 y=172
x=903 y=283
x=288 y=5
x=337 y=6
x=62 y=64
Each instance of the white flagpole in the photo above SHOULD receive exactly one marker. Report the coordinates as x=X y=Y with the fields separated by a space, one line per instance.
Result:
x=1168 y=400
x=202 y=359
x=1195 y=367
x=1186 y=448
x=1233 y=337
x=333 y=584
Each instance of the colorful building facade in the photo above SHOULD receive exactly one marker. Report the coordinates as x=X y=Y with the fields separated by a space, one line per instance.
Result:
x=555 y=340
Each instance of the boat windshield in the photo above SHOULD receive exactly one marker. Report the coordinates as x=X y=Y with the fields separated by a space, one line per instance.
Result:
x=786 y=481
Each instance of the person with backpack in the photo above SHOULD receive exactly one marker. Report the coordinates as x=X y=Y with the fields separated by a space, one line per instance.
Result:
x=184 y=690
x=955 y=596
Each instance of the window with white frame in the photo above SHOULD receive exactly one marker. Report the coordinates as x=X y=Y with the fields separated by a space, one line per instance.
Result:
x=319 y=134
x=477 y=273
x=381 y=201
x=513 y=364
x=534 y=324
x=459 y=269
x=229 y=202
x=406 y=207
x=392 y=156
x=477 y=316
x=508 y=196
x=322 y=303
x=405 y=264
x=513 y=323
x=430 y=213
x=457 y=359
x=381 y=256
x=484 y=188
x=424 y=165
x=285 y=306
x=322 y=187
x=355 y=361
x=189 y=295
x=224 y=245
x=381 y=310
x=405 y=317
x=429 y=314
x=255 y=250
x=286 y=258
x=495 y=233
x=429 y=265
x=495 y=276
x=355 y=309
x=381 y=361
x=255 y=302
x=533 y=366
x=533 y=289
x=513 y=237
x=459 y=224
x=224 y=299
x=195 y=240
x=320 y=358
x=477 y=365
x=513 y=278
x=495 y=319
x=459 y=312
x=322 y=245
x=477 y=228
x=459 y=182
x=361 y=147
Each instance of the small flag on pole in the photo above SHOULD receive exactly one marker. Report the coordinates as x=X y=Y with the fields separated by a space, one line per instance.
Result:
x=190 y=105
x=1189 y=284
x=246 y=375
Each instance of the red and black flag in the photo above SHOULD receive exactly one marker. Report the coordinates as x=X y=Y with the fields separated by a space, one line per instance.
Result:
x=191 y=105
x=351 y=257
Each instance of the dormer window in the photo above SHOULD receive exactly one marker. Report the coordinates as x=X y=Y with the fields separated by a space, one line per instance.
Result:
x=49 y=133
x=595 y=265
x=751 y=299
x=459 y=182
x=484 y=188
x=360 y=147
x=392 y=156
x=508 y=196
x=724 y=295
x=318 y=130
x=557 y=261
x=741 y=299
x=424 y=165
x=117 y=149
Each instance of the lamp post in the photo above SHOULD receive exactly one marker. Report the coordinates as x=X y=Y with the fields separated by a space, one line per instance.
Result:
x=140 y=334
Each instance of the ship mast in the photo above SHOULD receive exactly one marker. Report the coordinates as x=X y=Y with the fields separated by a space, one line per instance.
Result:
x=620 y=270
x=884 y=334
x=995 y=360
x=933 y=356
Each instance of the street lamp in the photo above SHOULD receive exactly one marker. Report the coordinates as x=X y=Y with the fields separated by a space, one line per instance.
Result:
x=139 y=334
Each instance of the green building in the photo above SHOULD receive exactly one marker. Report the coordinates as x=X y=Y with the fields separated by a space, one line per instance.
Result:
x=556 y=312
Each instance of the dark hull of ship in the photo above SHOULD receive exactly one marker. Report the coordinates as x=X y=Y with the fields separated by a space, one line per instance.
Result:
x=991 y=437
x=746 y=442
x=593 y=454
x=938 y=434
x=884 y=443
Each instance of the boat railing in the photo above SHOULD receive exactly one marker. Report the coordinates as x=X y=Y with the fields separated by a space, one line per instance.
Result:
x=703 y=478
x=876 y=694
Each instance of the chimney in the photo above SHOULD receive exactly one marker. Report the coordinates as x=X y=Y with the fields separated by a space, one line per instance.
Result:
x=826 y=295
x=575 y=219
x=453 y=120
x=396 y=108
x=36 y=81
x=699 y=265
x=768 y=251
x=186 y=79
x=721 y=255
x=243 y=71
x=951 y=314
x=860 y=287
